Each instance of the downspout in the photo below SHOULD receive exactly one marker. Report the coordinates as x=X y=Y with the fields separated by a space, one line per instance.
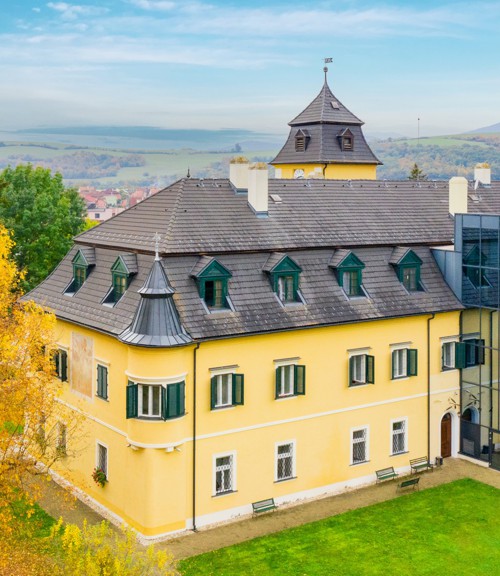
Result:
x=491 y=368
x=324 y=171
x=194 y=435
x=429 y=386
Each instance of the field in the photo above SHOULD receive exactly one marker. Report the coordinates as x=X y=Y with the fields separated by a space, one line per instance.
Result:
x=451 y=529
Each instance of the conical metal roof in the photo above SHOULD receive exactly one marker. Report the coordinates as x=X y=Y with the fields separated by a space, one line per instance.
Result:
x=326 y=108
x=156 y=321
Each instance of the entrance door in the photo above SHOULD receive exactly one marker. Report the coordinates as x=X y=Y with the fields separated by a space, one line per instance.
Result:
x=446 y=436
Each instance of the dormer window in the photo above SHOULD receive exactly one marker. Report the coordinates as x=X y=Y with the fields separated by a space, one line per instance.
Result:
x=349 y=271
x=284 y=274
x=82 y=262
x=124 y=267
x=346 y=140
x=212 y=279
x=407 y=265
x=301 y=140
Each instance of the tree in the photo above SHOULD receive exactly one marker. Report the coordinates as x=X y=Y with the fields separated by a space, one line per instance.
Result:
x=416 y=173
x=34 y=425
x=99 y=549
x=43 y=216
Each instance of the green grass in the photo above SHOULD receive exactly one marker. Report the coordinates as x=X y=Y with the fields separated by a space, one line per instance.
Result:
x=31 y=520
x=451 y=529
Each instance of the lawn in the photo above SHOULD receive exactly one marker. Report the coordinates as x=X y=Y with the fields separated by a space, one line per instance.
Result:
x=451 y=529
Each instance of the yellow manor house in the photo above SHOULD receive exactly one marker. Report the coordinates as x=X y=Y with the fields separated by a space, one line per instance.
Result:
x=234 y=340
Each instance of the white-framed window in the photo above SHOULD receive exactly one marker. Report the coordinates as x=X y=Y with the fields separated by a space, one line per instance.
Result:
x=149 y=400
x=290 y=379
x=448 y=355
x=359 y=445
x=399 y=358
x=224 y=473
x=102 y=458
x=226 y=389
x=285 y=460
x=404 y=361
x=399 y=436
x=361 y=368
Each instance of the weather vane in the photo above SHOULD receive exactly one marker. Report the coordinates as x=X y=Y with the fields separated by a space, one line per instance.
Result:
x=157 y=239
x=327 y=61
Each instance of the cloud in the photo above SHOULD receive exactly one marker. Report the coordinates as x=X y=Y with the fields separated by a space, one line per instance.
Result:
x=74 y=11
x=153 y=4
x=36 y=9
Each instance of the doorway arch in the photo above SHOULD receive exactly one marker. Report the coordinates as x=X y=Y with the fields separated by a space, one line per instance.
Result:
x=471 y=414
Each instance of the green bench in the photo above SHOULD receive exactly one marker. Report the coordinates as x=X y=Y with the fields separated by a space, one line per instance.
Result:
x=412 y=482
x=386 y=474
x=263 y=505
x=420 y=464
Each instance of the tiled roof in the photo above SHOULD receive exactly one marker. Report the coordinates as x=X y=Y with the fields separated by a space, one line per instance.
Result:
x=256 y=308
x=195 y=217
x=324 y=147
x=322 y=110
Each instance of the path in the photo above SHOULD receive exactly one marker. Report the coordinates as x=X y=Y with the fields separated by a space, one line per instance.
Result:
x=54 y=502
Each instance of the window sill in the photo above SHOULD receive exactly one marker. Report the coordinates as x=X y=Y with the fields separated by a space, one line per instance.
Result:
x=221 y=408
x=359 y=385
x=399 y=454
x=285 y=479
x=227 y=493
x=448 y=368
x=288 y=396
x=359 y=463
x=102 y=398
x=401 y=378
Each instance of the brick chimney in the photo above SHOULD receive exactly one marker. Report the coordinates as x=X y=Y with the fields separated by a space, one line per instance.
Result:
x=238 y=173
x=458 y=189
x=258 y=188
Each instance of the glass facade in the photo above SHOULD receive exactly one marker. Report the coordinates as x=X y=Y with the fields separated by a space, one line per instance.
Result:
x=477 y=256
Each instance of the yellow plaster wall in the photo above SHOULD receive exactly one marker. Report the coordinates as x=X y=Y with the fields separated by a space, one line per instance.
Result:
x=332 y=171
x=151 y=488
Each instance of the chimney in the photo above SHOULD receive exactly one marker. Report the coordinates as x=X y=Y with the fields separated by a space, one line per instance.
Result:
x=458 y=189
x=258 y=188
x=482 y=174
x=238 y=173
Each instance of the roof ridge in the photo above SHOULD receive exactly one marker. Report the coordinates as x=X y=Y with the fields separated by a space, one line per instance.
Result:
x=169 y=232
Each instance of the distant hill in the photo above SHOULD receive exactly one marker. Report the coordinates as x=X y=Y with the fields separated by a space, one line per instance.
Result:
x=440 y=156
x=487 y=130
x=149 y=137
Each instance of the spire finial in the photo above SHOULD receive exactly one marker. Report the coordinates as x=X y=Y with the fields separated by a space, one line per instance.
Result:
x=157 y=239
x=188 y=174
x=325 y=69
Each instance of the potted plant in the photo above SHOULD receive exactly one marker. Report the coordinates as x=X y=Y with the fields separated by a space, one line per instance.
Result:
x=99 y=477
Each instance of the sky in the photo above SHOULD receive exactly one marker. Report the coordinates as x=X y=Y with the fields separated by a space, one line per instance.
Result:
x=252 y=65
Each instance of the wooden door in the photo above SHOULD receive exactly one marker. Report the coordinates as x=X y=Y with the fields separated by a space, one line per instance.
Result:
x=446 y=436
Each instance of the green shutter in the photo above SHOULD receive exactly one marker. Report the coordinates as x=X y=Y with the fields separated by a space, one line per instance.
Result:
x=132 y=398
x=412 y=359
x=56 y=362
x=64 y=365
x=351 y=370
x=480 y=351
x=173 y=400
x=279 y=371
x=238 y=389
x=102 y=381
x=370 y=369
x=460 y=349
x=164 y=403
x=394 y=352
x=213 y=392
x=299 y=382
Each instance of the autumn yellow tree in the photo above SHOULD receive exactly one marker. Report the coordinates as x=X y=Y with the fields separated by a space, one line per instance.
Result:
x=34 y=425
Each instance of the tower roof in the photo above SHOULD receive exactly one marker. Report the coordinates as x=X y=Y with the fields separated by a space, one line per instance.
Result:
x=326 y=108
x=156 y=321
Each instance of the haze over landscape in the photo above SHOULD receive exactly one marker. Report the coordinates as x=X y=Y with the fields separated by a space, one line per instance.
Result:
x=242 y=65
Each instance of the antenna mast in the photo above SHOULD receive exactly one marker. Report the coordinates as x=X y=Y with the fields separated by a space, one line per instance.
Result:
x=325 y=69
